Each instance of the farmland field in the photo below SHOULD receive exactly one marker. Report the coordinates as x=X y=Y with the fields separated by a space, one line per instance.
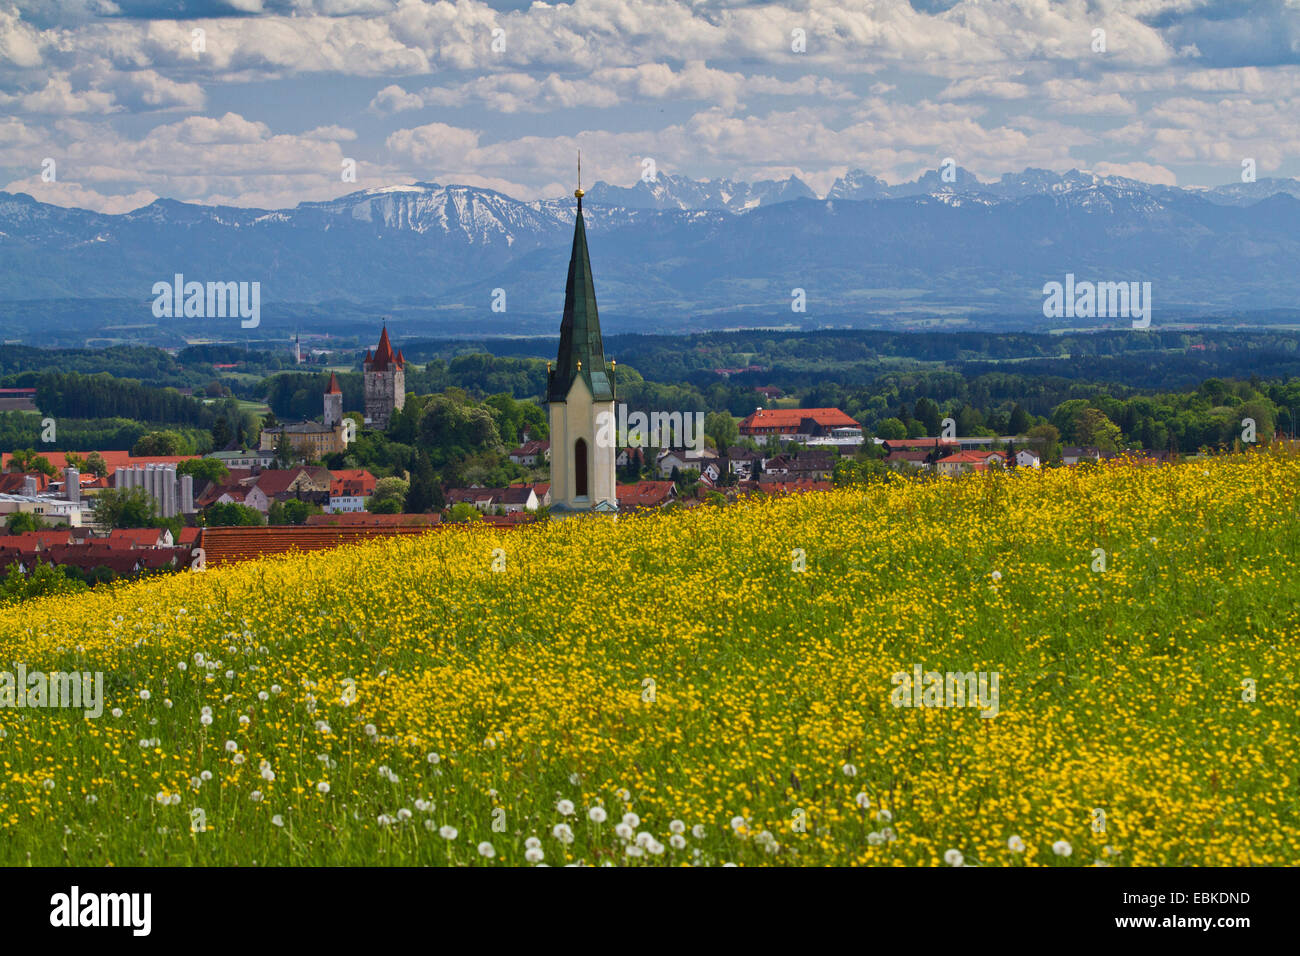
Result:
x=722 y=675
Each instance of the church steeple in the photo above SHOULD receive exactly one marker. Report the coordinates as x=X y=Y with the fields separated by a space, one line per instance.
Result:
x=582 y=351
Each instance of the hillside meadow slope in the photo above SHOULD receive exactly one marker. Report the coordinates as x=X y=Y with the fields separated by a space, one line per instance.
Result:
x=674 y=689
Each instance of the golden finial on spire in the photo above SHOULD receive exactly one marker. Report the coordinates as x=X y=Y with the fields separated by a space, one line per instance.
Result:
x=578 y=192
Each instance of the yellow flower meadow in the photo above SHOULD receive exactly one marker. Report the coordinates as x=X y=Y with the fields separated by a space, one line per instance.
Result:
x=703 y=687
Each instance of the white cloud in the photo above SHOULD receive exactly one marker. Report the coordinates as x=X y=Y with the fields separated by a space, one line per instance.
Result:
x=1146 y=172
x=20 y=43
x=700 y=85
x=58 y=97
x=394 y=99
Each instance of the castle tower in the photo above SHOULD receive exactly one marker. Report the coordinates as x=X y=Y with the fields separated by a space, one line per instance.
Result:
x=333 y=403
x=385 y=378
x=579 y=396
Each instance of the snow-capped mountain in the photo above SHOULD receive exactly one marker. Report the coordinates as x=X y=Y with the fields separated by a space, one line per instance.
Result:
x=667 y=250
x=678 y=192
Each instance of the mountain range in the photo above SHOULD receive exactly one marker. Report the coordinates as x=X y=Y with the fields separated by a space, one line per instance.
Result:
x=677 y=253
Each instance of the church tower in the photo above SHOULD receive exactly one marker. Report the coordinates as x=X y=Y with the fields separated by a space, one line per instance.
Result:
x=333 y=403
x=578 y=392
x=385 y=380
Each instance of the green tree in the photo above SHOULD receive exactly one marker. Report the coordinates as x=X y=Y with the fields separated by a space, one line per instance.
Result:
x=927 y=412
x=125 y=508
x=463 y=513
x=221 y=434
x=891 y=428
x=1020 y=421
x=231 y=514
x=389 y=496
x=283 y=451
x=1045 y=440
x=425 y=494
x=96 y=465
x=203 y=469
x=721 y=427
x=167 y=442
x=293 y=511
x=1093 y=429
x=45 y=579
x=28 y=461
x=21 y=521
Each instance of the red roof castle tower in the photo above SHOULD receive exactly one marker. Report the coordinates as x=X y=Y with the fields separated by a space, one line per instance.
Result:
x=385 y=378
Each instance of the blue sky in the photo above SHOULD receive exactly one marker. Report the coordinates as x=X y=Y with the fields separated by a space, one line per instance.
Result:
x=284 y=91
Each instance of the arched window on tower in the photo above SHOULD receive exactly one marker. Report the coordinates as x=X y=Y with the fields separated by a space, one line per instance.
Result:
x=580 y=468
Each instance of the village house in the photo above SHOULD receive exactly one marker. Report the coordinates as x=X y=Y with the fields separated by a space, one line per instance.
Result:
x=962 y=462
x=710 y=472
x=1072 y=455
x=123 y=551
x=530 y=453
x=799 y=424
x=682 y=459
x=741 y=461
x=909 y=460
x=810 y=465
x=261 y=489
x=244 y=459
x=350 y=490
x=515 y=498
x=645 y=494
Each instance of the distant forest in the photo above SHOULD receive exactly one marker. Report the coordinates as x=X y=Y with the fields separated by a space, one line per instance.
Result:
x=1164 y=389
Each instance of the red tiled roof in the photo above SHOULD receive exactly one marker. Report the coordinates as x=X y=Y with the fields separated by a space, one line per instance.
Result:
x=917 y=455
x=644 y=494
x=229 y=545
x=38 y=539
x=789 y=419
x=114 y=459
x=232 y=486
x=352 y=482
x=276 y=481
x=136 y=537
x=970 y=457
x=11 y=483
x=366 y=519
x=333 y=388
x=384 y=359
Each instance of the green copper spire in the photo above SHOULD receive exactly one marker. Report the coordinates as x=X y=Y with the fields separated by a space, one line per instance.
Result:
x=581 y=350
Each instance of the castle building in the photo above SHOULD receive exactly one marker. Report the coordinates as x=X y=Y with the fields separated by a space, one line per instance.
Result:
x=314 y=440
x=333 y=403
x=579 y=394
x=385 y=377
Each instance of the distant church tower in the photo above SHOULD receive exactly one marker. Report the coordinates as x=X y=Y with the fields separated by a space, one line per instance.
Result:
x=333 y=403
x=579 y=389
x=385 y=377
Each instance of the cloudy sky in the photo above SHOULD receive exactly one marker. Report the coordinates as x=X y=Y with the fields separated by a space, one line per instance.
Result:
x=260 y=102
